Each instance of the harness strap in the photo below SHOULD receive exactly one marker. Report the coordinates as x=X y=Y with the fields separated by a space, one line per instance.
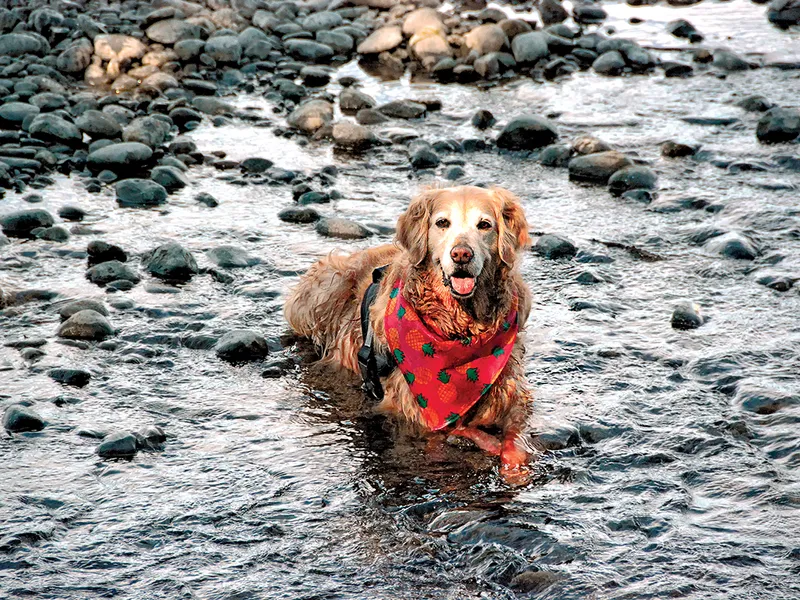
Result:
x=372 y=366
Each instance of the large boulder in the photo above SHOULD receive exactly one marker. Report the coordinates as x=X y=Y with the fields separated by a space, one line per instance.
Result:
x=381 y=40
x=778 y=125
x=171 y=261
x=598 y=167
x=119 y=158
x=140 y=192
x=21 y=223
x=86 y=325
x=527 y=132
x=311 y=115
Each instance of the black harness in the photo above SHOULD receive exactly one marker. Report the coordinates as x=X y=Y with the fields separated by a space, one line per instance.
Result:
x=373 y=365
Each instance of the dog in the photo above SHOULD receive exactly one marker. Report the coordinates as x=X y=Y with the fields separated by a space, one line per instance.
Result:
x=449 y=311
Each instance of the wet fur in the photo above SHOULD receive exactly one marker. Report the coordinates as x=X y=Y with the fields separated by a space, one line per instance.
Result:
x=326 y=303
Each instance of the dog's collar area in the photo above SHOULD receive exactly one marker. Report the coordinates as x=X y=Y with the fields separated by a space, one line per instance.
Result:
x=372 y=365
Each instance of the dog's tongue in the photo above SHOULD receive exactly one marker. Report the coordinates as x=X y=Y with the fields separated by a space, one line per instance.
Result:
x=463 y=285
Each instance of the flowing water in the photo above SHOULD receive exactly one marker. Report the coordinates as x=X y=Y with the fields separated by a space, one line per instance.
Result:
x=673 y=463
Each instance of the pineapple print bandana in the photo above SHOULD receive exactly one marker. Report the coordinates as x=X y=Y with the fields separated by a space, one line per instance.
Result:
x=447 y=377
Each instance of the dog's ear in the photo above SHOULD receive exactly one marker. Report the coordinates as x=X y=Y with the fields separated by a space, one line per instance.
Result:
x=412 y=226
x=512 y=226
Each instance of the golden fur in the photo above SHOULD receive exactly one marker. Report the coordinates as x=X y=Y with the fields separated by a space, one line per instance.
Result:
x=325 y=304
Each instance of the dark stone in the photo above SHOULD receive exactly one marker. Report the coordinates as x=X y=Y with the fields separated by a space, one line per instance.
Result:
x=527 y=132
x=687 y=316
x=20 y=224
x=242 y=345
x=631 y=178
x=483 y=119
x=672 y=149
x=18 y=418
x=171 y=178
x=784 y=13
x=119 y=158
x=555 y=155
x=609 y=63
x=71 y=213
x=100 y=252
x=207 y=199
x=121 y=444
x=70 y=309
x=255 y=165
x=778 y=125
x=86 y=325
x=140 y=192
x=298 y=214
x=732 y=245
x=346 y=229
x=112 y=270
x=73 y=377
x=170 y=261
x=403 y=109
x=424 y=158
x=553 y=246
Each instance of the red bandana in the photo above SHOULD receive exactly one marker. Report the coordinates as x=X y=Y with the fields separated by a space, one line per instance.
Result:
x=447 y=377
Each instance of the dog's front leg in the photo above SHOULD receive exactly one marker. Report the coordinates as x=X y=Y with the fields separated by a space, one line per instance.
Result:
x=485 y=441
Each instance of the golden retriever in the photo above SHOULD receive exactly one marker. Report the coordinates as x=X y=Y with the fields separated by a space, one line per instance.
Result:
x=453 y=273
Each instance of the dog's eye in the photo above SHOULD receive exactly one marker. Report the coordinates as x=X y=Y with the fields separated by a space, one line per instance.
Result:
x=442 y=223
x=484 y=225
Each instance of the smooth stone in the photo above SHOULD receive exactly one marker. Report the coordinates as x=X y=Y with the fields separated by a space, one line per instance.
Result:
x=337 y=227
x=728 y=61
x=487 y=38
x=170 y=31
x=299 y=214
x=71 y=213
x=381 y=40
x=425 y=158
x=207 y=199
x=231 y=257
x=150 y=130
x=170 y=261
x=755 y=104
x=52 y=128
x=21 y=223
x=119 y=158
x=732 y=245
x=763 y=401
x=97 y=124
x=555 y=155
x=171 y=178
x=352 y=136
x=672 y=149
x=631 y=178
x=687 y=316
x=224 y=49
x=87 y=304
x=527 y=132
x=778 y=125
x=140 y=192
x=86 y=325
x=403 y=109
x=554 y=246
x=112 y=270
x=16 y=112
x=20 y=44
x=530 y=47
x=57 y=233
x=352 y=100
x=609 y=63
x=241 y=345
x=598 y=167
x=18 y=418
x=311 y=115
x=483 y=119
x=73 y=377
x=121 y=444
x=151 y=437
x=307 y=50
x=100 y=252
x=784 y=13
x=255 y=165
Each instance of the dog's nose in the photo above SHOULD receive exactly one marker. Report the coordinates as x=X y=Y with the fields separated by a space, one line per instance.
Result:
x=461 y=255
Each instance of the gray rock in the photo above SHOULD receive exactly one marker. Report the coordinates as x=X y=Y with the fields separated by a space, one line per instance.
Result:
x=21 y=223
x=555 y=155
x=151 y=437
x=311 y=115
x=120 y=158
x=100 y=251
x=403 y=109
x=527 y=132
x=15 y=113
x=609 y=63
x=307 y=50
x=687 y=316
x=778 y=125
x=189 y=50
x=424 y=158
x=320 y=21
x=351 y=101
x=352 y=136
x=170 y=31
x=140 y=192
x=339 y=41
x=598 y=167
x=170 y=177
x=381 y=40
x=224 y=49
x=588 y=14
x=487 y=38
x=552 y=12
x=57 y=233
x=483 y=119
x=631 y=178
x=755 y=104
x=553 y=246
x=121 y=444
x=763 y=401
x=52 y=128
x=111 y=270
x=71 y=213
x=732 y=245
x=74 y=377
x=784 y=13
x=18 y=418
x=170 y=261
x=20 y=44
x=345 y=229
x=70 y=309
x=76 y=57
x=207 y=199
x=370 y=116
x=728 y=61
x=150 y=131
x=255 y=165
x=241 y=345
x=530 y=47
x=86 y=325
x=231 y=257
x=98 y=125
x=299 y=214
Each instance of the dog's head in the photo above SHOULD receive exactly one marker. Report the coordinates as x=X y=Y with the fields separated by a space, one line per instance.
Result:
x=468 y=233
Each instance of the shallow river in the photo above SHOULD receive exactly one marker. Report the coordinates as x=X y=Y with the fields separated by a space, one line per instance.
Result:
x=672 y=474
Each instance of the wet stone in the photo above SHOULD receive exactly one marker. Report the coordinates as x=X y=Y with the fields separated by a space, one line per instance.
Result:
x=672 y=149
x=778 y=125
x=687 y=316
x=22 y=223
x=552 y=246
x=763 y=401
x=631 y=178
x=231 y=257
x=241 y=346
x=71 y=213
x=298 y=214
x=73 y=377
x=151 y=437
x=483 y=119
x=57 y=233
x=598 y=167
x=527 y=132
x=779 y=283
x=73 y=307
x=337 y=227
x=555 y=155
x=732 y=245
x=170 y=261
x=100 y=252
x=206 y=199
x=86 y=325
x=352 y=100
x=140 y=193
x=112 y=270
x=18 y=419
x=121 y=444
x=403 y=109
x=171 y=178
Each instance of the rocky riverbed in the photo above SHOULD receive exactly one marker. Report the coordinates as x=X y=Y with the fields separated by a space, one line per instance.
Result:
x=169 y=168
